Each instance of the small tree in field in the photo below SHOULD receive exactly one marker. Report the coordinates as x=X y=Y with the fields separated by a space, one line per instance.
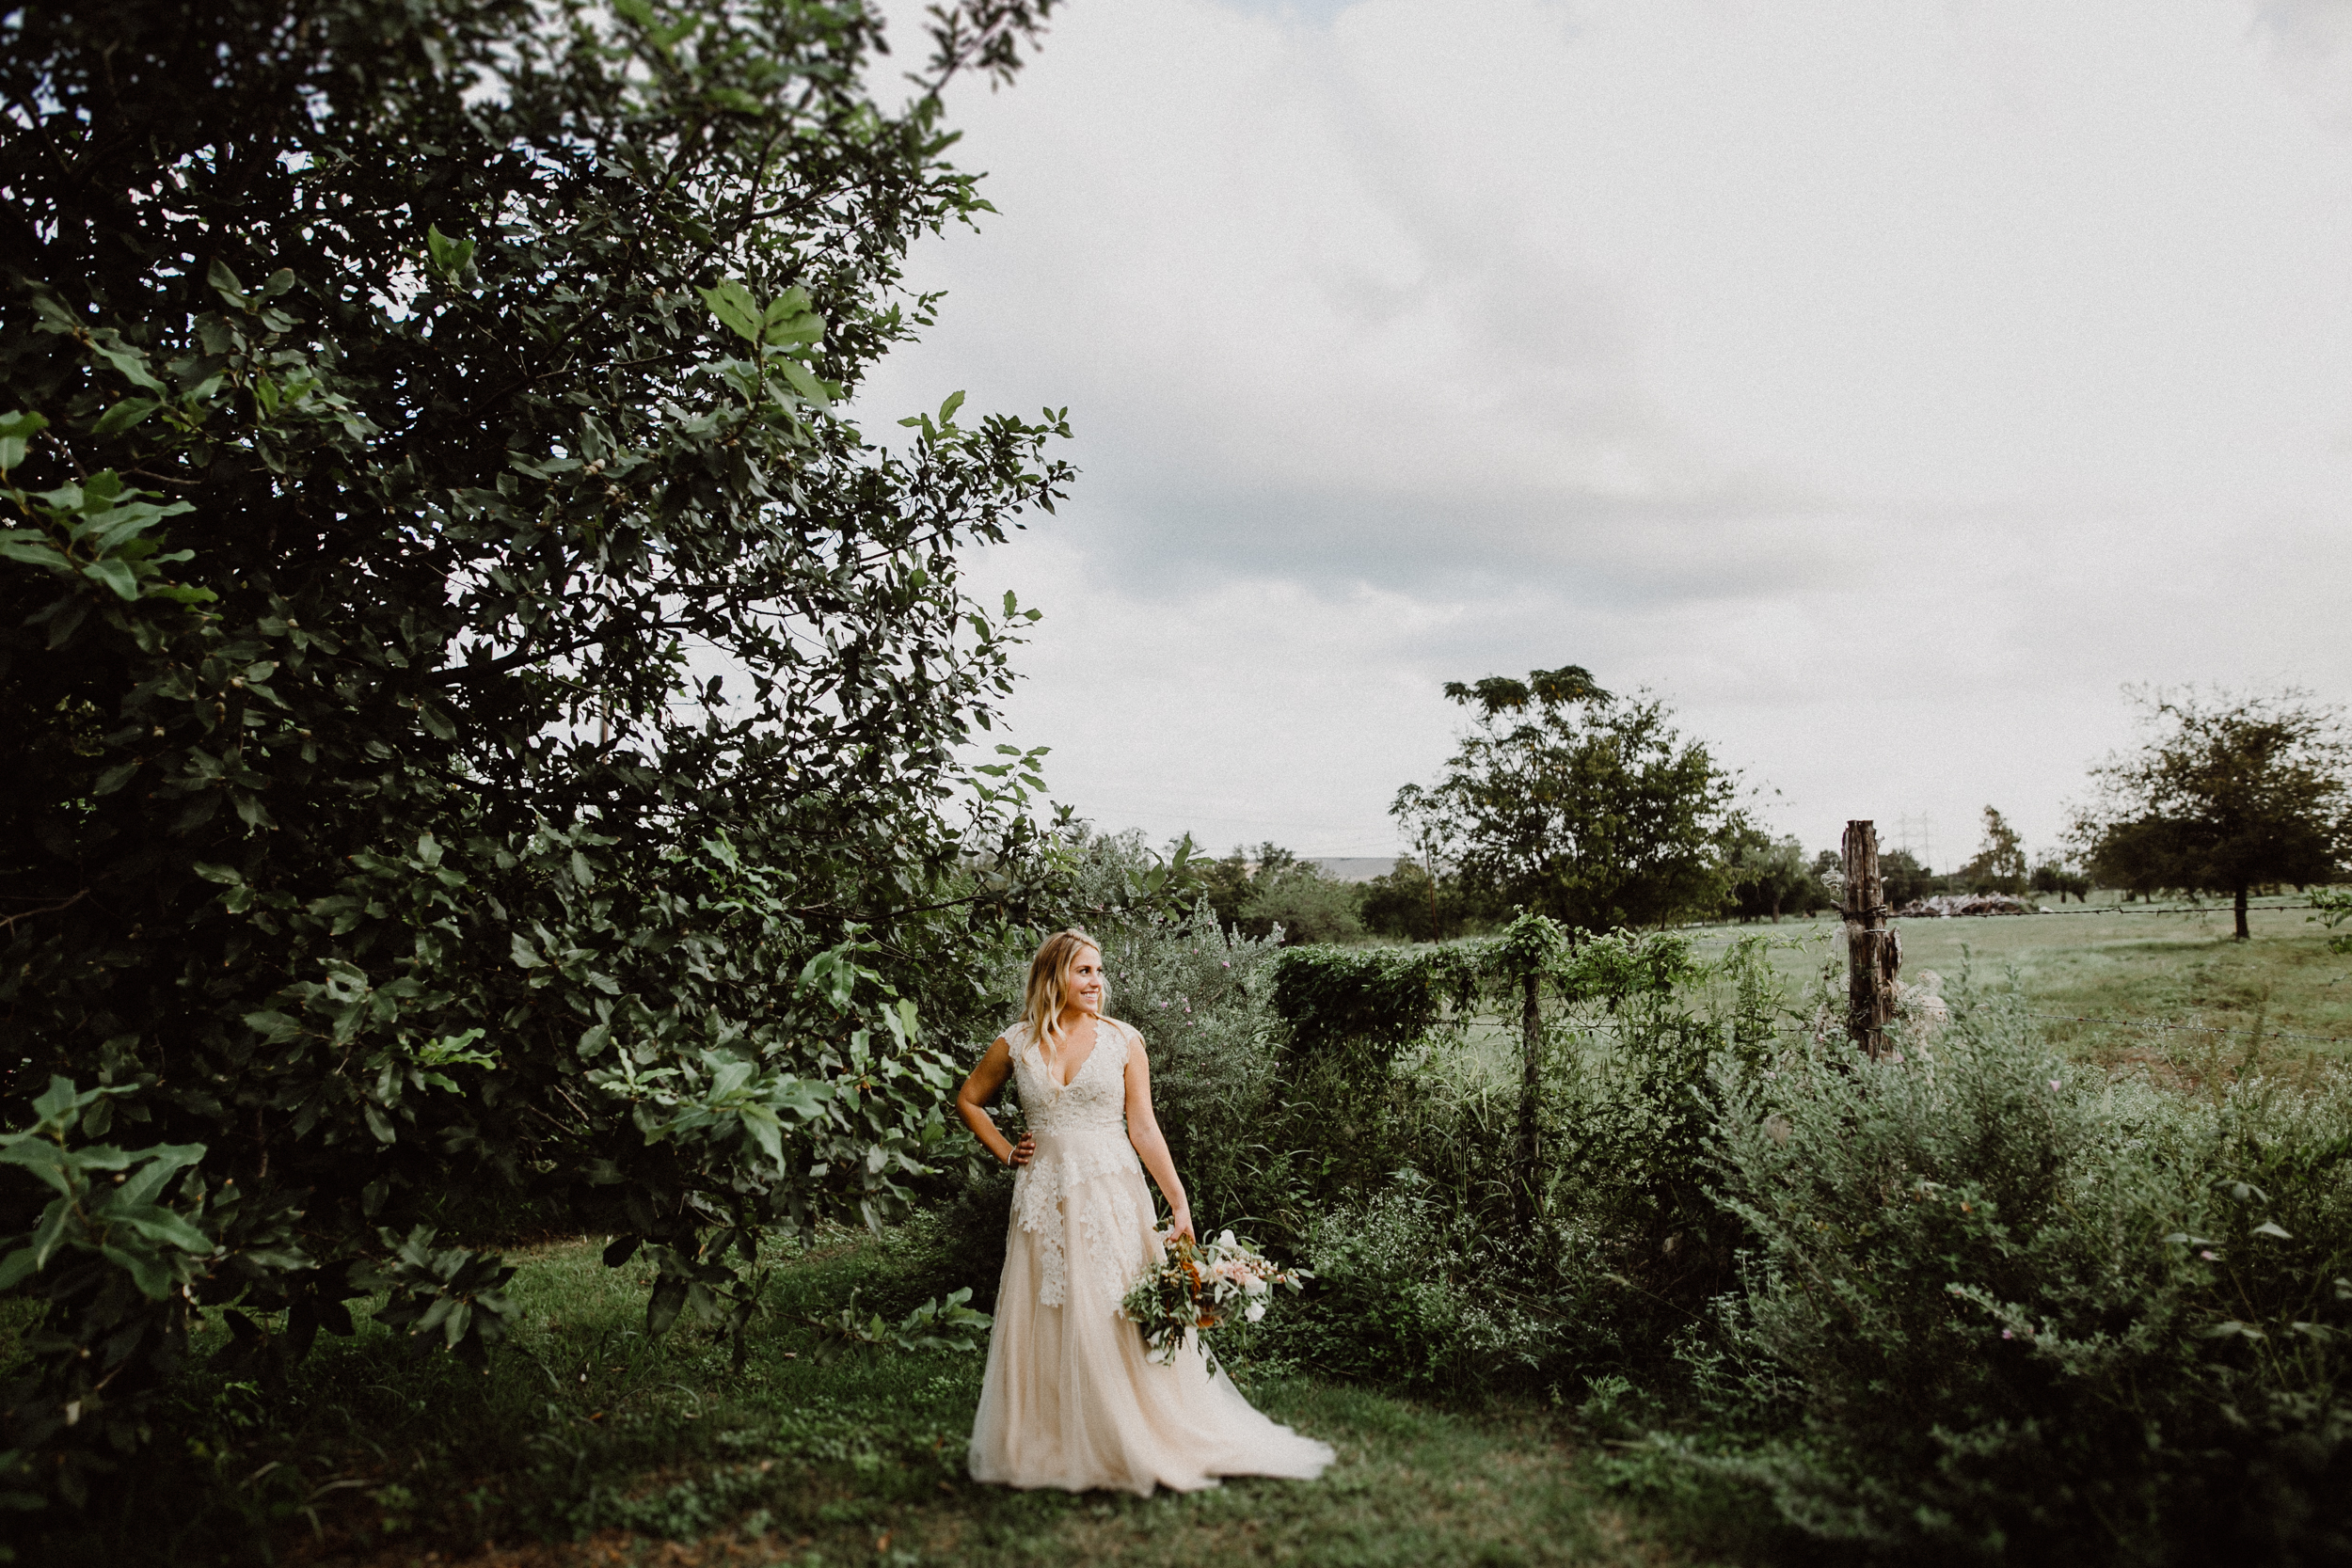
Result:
x=1578 y=805
x=1999 y=866
x=2226 y=793
x=2053 y=874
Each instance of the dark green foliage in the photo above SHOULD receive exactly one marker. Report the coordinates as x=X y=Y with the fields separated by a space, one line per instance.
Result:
x=2054 y=876
x=114 y=1244
x=1769 y=876
x=1257 y=891
x=1404 y=904
x=1369 y=999
x=2014 y=1312
x=1899 y=873
x=528 y=770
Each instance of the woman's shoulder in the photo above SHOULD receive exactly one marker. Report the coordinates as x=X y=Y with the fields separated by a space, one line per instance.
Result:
x=1127 y=1032
x=1016 y=1035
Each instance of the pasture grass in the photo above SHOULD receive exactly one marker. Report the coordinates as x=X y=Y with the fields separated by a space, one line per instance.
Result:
x=588 y=1443
x=2134 y=971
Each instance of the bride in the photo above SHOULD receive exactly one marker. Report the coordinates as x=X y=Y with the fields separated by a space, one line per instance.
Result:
x=1071 y=1399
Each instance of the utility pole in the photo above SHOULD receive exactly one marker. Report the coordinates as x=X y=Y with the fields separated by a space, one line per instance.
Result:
x=1874 y=953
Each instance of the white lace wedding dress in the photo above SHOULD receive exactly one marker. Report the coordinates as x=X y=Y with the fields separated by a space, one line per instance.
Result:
x=1071 y=1398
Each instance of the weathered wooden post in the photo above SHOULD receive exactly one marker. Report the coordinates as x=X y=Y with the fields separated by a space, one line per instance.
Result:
x=1530 y=949
x=1531 y=1094
x=1874 y=952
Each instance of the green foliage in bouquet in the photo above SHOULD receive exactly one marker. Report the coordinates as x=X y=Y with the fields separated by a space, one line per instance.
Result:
x=1199 y=1288
x=480 y=721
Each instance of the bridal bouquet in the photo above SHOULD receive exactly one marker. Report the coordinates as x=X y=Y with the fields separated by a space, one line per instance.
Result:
x=1203 y=1287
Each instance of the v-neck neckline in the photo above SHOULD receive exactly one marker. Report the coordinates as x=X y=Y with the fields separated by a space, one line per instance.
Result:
x=1093 y=1046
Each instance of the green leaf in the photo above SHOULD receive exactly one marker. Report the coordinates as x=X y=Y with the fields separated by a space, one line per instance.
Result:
x=129 y=362
x=225 y=283
x=736 y=310
x=121 y=417
x=805 y=383
x=54 y=315
x=446 y=256
x=117 y=575
x=669 y=1297
x=15 y=431
x=947 y=409
x=274 y=1026
x=788 y=320
x=162 y=1224
x=524 y=955
x=149 y=1272
x=161 y=1163
x=16 y=1268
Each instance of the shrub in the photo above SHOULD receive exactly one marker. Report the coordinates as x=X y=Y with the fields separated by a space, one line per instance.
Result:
x=1409 y=1290
x=2032 y=1315
x=1303 y=905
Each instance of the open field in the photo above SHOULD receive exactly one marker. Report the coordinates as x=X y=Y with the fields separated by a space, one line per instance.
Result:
x=588 y=1444
x=2135 y=970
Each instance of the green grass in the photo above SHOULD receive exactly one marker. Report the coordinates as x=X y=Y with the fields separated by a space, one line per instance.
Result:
x=2130 y=969
x=592 y=1444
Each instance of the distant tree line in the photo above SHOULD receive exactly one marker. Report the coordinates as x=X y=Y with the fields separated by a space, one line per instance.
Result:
x=1565 y=800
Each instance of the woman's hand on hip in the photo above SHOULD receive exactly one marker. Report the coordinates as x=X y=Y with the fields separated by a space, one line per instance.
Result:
x=1023 y=1152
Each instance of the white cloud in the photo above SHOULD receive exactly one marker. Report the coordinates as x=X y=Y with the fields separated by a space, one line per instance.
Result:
x=1884 y=385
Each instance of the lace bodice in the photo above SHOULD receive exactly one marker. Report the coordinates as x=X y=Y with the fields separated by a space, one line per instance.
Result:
x=1094 y=1101
x=1084 y=1187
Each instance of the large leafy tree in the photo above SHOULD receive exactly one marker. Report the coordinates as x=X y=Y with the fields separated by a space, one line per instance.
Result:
x=2225 y=793
x=478 y=718
x=1588 y=808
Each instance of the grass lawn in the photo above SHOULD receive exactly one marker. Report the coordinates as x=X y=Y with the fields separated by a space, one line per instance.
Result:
x=586 y=1442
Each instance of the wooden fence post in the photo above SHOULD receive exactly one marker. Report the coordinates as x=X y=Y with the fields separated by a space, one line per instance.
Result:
x=1530 y=1091
x=1874 y=953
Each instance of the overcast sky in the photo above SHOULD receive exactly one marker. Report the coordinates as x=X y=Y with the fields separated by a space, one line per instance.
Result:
x=1884 y=385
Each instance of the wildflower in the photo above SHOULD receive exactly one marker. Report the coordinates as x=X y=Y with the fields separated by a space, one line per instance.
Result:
x=2053 y=1085
x=2007 y=1335
x=2209 y=1255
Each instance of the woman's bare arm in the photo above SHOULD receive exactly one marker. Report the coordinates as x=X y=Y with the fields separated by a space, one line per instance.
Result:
x=972 y=1106
x=1143 y=1130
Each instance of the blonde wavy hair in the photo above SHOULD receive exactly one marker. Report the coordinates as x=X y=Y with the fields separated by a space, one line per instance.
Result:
x=1049 y=984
